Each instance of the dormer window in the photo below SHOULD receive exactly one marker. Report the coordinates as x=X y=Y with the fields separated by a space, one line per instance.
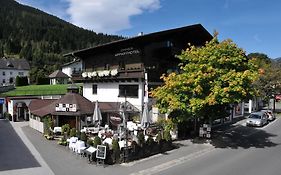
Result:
x=9 y=64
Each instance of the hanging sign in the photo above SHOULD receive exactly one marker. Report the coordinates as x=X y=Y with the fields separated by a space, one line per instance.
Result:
x=65 y=107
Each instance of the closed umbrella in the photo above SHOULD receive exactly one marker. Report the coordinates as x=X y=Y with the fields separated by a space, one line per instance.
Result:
x=97 y=117
x=146 y=119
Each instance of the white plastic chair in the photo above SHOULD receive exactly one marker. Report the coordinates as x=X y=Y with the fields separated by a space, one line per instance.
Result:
x=72 y=143
x=79 y=146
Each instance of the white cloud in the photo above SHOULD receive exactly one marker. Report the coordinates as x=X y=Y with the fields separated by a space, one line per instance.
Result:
x=257 y=38
x=108 y=16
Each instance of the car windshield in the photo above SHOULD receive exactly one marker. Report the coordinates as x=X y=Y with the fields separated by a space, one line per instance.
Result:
x=255 y=116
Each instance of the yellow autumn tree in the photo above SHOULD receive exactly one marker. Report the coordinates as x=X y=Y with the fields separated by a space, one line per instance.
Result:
x=210 y=78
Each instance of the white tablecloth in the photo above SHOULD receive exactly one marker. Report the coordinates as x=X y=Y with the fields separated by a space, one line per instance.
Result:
x=57 y=129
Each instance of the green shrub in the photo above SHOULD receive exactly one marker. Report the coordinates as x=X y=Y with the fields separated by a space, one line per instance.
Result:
x=90 y=142
x=140 y=137
x=78 y=134
x=159 y=136
x=115 y=150
x=167 y=135
x=8 y=116
x=97 y=141
x=115 y=145
x=72 y=132
x=65 y=129
x=83 y=137
x=149 y=141
x=62 y=141
x=21 y=81
x=136 y=118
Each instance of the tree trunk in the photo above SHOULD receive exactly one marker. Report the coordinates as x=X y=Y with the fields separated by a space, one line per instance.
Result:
x=274 y=102
x=195 y=125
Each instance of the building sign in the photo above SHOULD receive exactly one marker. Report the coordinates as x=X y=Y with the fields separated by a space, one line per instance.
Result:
x=65 y=107
x=127 y=51
x=2 y=101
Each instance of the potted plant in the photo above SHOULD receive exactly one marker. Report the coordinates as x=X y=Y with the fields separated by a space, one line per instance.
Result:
x=97 y=141
x=115 y=151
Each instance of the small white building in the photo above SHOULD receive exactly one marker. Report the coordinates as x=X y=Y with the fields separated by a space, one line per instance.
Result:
x=58 y=77
x=10 y=68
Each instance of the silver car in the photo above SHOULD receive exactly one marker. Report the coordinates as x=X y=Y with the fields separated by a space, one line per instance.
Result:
x=257 y=119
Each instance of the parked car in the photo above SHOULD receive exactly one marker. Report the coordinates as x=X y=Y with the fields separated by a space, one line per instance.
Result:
x=257 y=119
x=270 y=114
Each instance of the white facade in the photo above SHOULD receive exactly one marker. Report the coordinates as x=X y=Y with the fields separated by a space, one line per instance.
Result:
x=8 y=76
x=109 y=92
x=36 y=123
x=68 y=69
x=14 y=110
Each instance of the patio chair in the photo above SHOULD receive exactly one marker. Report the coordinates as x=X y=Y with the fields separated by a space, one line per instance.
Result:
x=72 y=143
x=79 y=146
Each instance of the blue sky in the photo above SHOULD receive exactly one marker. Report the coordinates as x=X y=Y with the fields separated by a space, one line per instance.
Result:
x=254 y=25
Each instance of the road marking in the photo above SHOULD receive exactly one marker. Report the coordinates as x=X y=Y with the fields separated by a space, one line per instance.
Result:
x=172 y=163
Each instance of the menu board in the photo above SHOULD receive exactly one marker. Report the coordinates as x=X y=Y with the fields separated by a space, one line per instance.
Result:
x=101 y=152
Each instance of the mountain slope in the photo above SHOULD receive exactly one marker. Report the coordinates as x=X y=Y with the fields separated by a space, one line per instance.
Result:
x=41 y=38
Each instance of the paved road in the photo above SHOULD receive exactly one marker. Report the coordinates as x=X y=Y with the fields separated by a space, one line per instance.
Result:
x=13 y=152
x=240 y=151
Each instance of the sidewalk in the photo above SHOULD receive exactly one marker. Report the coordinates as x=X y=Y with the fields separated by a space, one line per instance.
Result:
x=42 y=169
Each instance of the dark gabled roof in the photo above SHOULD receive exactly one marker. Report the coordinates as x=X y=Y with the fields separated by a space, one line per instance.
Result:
x=13 y=63
x=43 y=107
x=58 y=74
x=83 y=106
x=39 y=107
x=195 y=32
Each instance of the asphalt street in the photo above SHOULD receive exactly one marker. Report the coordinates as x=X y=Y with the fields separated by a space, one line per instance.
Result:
x=239 y=151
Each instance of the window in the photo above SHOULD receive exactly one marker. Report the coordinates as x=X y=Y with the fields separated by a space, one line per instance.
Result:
x=128 y=90
x=122 y=65
x=106 y=67
x=95 y=89
x=4 y=81
x=11 y=73
x=4 y=73
x=20 y=73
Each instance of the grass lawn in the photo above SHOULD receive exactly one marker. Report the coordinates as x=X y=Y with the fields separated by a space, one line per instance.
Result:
x=34 y=90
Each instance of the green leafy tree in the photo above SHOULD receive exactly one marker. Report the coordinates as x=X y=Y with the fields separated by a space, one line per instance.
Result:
x=210 y=78
x=269 y=82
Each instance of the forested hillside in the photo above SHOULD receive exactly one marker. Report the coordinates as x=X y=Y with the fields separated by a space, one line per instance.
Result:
x=29 y=33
